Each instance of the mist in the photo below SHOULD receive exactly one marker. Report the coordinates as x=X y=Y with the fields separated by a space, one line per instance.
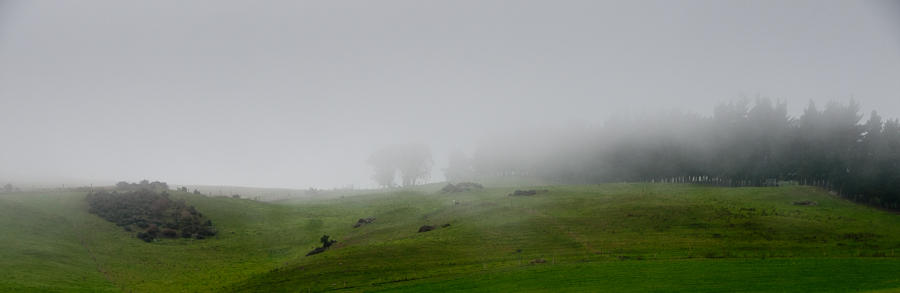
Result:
x=300 y=94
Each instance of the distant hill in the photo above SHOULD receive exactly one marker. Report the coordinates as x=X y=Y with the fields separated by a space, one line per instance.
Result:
x=267 y=194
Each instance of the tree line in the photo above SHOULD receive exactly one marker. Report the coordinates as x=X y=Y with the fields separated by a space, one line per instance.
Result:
x=743 y=143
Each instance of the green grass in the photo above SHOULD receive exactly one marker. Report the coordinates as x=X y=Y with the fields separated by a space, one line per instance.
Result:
x=728 y=275
x=39 y=228
x=611 y=237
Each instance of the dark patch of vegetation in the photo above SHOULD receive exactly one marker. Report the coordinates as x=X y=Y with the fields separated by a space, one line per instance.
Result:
x=805 y=203
x=461 y=187
x=169 y=233
x=450 y=188
x=144 y=236
x=361 y=222
x=326 y=243
x=426 y=228
x=151 y=213
x=527 y=192
x=316 y=251
x=143 y=185
x=523 y=192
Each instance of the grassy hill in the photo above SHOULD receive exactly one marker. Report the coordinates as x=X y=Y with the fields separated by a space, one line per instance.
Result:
x=55 y=245
x=617 y=237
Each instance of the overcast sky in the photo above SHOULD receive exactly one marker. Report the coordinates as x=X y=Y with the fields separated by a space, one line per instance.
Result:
x=298 y=93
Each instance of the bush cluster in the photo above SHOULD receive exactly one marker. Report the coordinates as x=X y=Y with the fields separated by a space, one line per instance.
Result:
x=153 y=214
x=144 y=184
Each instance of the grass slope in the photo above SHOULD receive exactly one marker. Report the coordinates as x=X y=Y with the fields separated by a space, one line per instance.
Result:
x=650 y=236
x=615 y=237
x=51 y=243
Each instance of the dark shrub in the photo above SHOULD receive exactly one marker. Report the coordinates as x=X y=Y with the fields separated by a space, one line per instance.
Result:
x=326 y=243
x=425 y=228
x=144 y=236
x=450 y=188
x=361 y=222
x=169 y=233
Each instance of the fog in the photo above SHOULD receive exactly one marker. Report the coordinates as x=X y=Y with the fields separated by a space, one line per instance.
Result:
x=298 y=94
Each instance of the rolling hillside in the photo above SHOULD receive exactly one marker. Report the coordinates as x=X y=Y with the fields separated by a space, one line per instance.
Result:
x=621 y=237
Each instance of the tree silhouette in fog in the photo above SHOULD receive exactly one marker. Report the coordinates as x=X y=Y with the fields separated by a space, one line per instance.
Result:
x=743 y=143
x=413 y=162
